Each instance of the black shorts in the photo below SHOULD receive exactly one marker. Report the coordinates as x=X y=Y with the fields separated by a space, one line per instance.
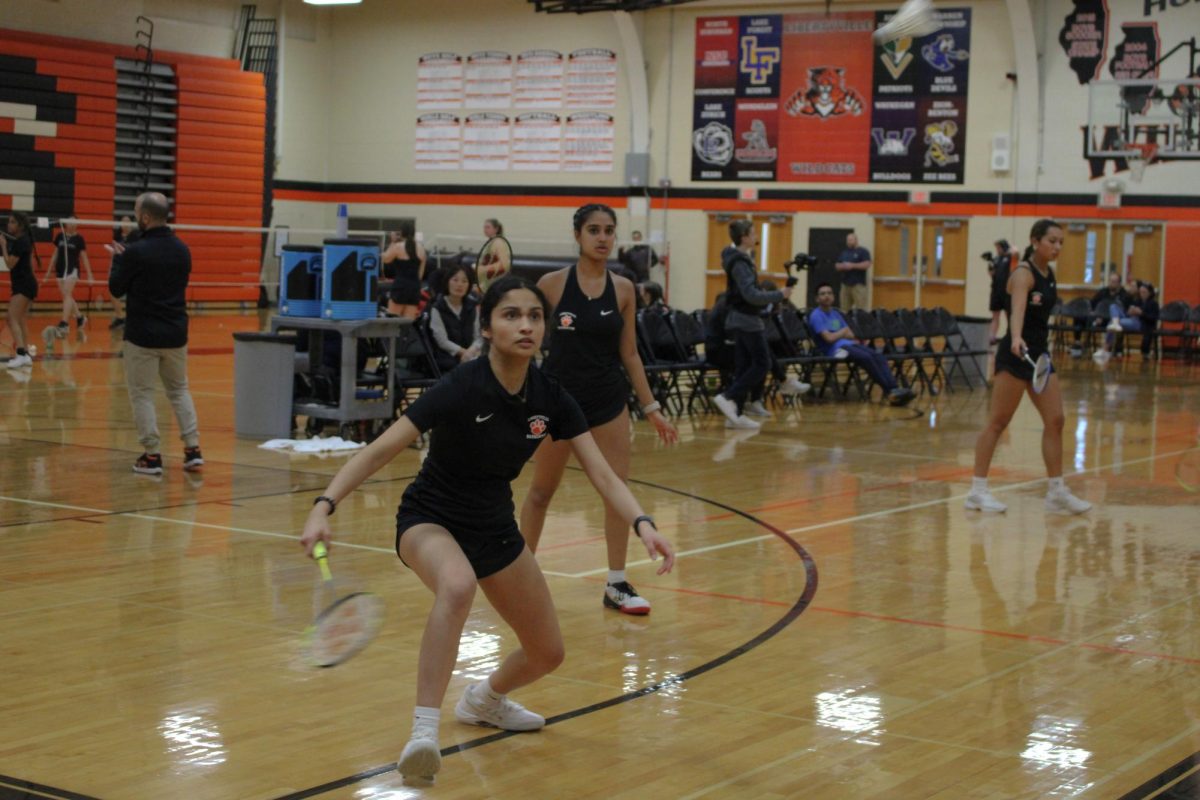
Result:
x=603 y=400
x=24 y=283
x=996 y=300
x=405 y=293
x=1017 y=367
x=487 y=551
x=60 y=273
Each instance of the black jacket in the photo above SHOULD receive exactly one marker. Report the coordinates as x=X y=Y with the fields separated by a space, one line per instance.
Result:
x=153 y=274
x=741 y=289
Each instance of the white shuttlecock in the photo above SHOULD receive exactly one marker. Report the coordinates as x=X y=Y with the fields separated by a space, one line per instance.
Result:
x=914 y=20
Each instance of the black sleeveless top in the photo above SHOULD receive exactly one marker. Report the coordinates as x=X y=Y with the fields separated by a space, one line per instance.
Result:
x=406 y=276
x=585 y=349
x=1039 y=306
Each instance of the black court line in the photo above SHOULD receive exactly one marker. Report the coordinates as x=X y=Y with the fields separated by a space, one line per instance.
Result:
x=1178 y=782
x=810 y=590
x=17 y=789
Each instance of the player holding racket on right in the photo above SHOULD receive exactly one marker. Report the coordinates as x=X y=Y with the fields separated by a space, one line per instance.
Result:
x=1032 y=294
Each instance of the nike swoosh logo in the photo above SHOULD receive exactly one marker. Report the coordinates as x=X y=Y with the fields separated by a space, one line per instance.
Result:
x=606 y=313
x=484 y=419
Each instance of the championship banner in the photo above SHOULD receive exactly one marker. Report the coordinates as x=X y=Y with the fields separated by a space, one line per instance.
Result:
x=810 y=98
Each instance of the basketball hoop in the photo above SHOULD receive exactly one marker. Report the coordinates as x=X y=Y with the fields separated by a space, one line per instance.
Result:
x=1139 y=157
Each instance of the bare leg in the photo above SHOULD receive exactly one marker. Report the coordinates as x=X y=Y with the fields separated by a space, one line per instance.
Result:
x=1006 y=396
x=18 y=308
x=613 y=440
x=548 y=466
x=520 y=595
x=439 y=562
x=1049 y=405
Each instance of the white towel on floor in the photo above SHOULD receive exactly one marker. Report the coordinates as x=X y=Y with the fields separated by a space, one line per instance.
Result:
x=318 y=445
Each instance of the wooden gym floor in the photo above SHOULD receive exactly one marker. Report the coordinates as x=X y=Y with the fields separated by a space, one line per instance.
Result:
x=837 y=625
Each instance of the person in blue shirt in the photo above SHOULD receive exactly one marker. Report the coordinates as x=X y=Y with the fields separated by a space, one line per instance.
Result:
x=836 y=340
x=852 y=266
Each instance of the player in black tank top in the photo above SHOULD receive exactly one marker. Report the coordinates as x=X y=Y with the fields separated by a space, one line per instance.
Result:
x=70 y=252
x=585 y=349
x=1032 y=294
x=593 y=339
x=404 y=263
x=17 y=250
x=455 y=526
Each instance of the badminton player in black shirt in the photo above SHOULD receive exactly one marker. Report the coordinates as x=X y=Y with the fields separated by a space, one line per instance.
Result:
x=593 y=347
x=1032 y=293
x=455 y=526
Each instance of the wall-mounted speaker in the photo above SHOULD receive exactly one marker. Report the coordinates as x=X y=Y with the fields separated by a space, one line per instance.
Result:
x=1001 y=152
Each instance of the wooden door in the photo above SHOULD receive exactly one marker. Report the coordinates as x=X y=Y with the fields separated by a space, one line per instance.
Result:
x=1137 y=252
x=943 y=274
x=1081 y=266
x=893 y=271
x=774 y=248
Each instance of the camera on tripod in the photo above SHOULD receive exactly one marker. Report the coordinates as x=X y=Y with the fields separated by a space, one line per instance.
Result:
x=799 y=262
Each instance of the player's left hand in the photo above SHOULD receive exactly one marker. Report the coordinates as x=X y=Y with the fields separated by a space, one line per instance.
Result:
x=666 y=431
x=657 y=545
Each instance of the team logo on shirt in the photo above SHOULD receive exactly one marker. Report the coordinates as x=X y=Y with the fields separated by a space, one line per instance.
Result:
x=538 y=424
x=566 y=321
x=1035 y=299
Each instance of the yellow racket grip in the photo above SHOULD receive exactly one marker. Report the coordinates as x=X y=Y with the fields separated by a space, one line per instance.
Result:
x=321 y=554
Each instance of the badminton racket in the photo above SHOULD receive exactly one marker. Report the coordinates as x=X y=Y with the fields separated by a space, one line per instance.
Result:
x=494 y=262
x=345 y=626
x=1041 y=370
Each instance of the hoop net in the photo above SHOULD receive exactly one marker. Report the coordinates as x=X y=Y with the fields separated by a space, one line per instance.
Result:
x=914 y=20
x=1142 y=155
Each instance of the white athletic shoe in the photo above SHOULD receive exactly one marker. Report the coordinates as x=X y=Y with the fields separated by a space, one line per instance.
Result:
x=1062 y=501
x=624 y=598
x=1114 y=326
x=19 y=361
x=792 y=387
x=756 y=409
x=421 y=758
x=1101 y=357
x=984 y=501
x=743 y=423
x=727 y=407
x=505 y=714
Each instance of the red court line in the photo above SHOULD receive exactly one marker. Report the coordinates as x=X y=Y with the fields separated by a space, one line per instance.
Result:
x=1026 y=637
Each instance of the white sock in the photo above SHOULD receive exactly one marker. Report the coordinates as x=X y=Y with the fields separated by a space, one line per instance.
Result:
x=978 y=485
x=489 y=695
x=616 y=576
x=426 y=717
x=1056 y=485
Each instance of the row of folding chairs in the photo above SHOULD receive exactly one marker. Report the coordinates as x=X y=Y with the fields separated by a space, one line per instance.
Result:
x=1178 y=328
x=925 y=347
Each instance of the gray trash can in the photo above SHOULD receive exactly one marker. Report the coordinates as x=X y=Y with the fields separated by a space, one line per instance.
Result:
x=975 y=332
x=263 y=369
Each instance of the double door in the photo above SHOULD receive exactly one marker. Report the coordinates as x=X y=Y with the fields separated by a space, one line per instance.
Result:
x=920 y=262
x=774 y=248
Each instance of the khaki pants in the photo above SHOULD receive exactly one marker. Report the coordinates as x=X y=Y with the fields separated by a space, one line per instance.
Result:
x=144 y=367
x=854 y=297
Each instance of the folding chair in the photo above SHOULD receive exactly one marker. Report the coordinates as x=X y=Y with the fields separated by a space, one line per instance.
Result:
x=956 y=343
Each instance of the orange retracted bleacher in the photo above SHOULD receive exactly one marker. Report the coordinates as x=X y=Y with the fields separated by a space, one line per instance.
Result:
x=58 y=143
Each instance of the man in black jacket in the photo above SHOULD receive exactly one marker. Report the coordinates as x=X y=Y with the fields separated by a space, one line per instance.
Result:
x=152 y=273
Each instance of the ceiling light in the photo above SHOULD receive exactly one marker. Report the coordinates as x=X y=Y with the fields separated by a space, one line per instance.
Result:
x=332 y=2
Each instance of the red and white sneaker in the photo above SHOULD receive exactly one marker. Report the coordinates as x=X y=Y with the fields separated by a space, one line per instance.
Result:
x=624 y=598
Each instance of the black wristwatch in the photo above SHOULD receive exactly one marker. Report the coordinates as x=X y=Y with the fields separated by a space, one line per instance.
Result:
x=330 y=500
x=643 y=518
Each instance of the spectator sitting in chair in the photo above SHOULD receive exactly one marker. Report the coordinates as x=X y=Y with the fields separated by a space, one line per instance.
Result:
x=836 y=340
x=1102 y=303
x=650 y=295
x=454 y=320
x=1140 y=317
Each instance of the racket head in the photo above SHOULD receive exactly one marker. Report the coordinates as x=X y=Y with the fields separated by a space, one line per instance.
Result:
x=1042 y=370
x=343 y=629
x=494 y=261
x=914 y=19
